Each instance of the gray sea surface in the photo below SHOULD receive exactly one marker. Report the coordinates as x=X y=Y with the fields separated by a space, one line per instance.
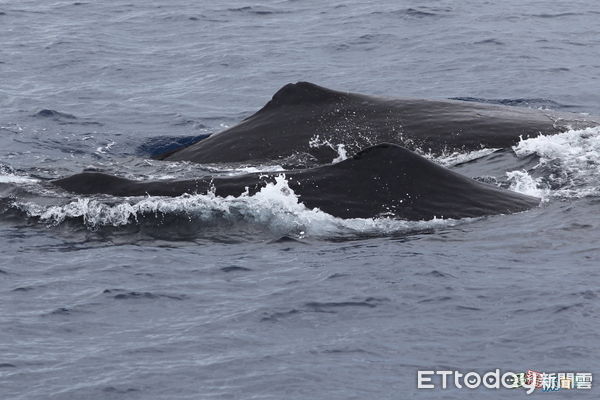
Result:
x=257 y=297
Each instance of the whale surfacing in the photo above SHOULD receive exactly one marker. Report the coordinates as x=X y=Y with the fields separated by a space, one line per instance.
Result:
x=383 y=180
x=308 y=122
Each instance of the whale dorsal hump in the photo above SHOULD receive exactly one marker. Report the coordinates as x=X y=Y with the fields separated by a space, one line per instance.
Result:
x=304 y=93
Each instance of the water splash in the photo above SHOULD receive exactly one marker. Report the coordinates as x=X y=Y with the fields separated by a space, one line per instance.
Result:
x=340 y=148
x=522 y=182
x=569 y=164
x=342 y=154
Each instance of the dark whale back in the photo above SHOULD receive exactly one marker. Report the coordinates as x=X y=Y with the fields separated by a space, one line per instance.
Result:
x=382 y=180
x=301 y=113
x=303 y=93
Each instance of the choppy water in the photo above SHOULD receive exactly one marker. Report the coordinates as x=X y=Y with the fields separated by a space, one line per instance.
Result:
x=257 y=297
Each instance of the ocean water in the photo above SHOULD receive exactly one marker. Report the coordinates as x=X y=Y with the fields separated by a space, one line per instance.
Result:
x=258 y=297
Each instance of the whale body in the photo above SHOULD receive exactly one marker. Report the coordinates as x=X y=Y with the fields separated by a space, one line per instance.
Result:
x=383 y=180
x=306 y=124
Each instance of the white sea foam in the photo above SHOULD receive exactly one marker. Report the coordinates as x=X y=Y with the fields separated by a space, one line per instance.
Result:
x=569 y=163
x=522 y=182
